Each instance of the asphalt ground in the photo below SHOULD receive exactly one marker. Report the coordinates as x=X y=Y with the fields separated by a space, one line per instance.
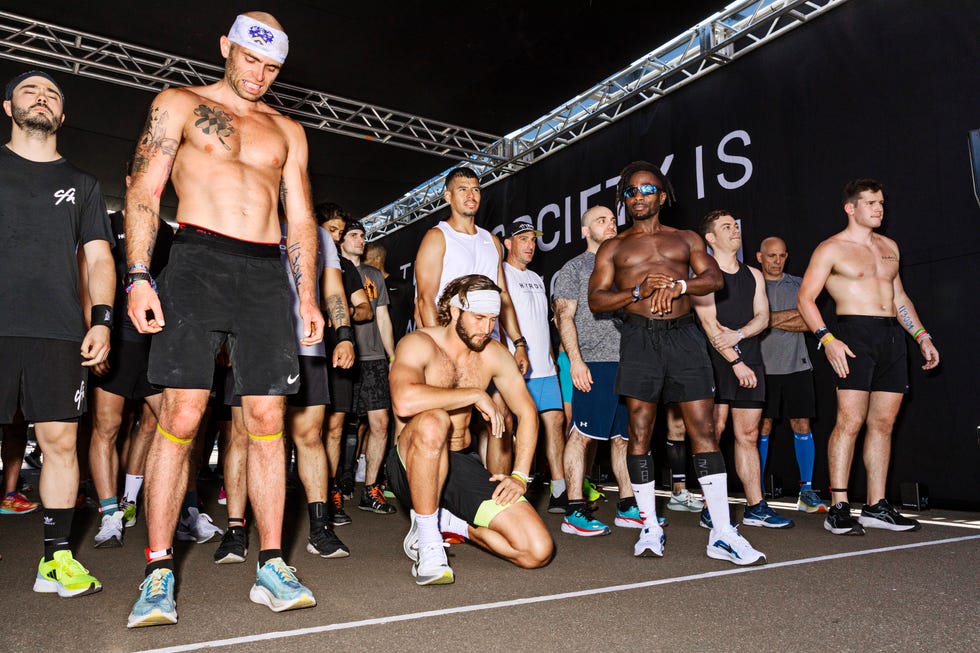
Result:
x=885 y=591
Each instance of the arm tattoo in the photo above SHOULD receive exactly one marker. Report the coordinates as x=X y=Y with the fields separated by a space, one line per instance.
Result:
x=337 y=312
x=154 y=142
x=282 y=191
x=903 y=313
x=294 y=252
x=214 y=121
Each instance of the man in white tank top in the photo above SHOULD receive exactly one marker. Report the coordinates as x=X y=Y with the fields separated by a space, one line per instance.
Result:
x=458 y=247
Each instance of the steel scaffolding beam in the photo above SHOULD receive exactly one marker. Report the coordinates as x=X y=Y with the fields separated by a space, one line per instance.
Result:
x=729 y=34
x=79 y=53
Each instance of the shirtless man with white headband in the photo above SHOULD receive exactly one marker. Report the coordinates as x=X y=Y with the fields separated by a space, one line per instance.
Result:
x=233 y=159
x=440 y=373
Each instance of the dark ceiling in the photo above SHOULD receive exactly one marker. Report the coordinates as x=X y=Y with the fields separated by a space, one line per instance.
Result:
x=492 y=66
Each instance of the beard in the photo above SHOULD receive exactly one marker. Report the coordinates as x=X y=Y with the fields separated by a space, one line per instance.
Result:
x=469 y=339
x=35 y=123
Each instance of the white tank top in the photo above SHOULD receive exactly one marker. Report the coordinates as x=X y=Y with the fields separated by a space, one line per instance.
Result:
x=467 y=254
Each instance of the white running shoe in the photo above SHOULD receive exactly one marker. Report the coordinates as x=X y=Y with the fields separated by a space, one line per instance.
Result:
x=410 y=545
x=197 y=527
x=110 y=532
x=361 y=469
x=685 y=501
x=650 y=543
x=727 y=544
x=432 y=567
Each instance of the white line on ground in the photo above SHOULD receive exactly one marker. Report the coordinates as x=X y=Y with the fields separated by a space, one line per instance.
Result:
x=299 y=632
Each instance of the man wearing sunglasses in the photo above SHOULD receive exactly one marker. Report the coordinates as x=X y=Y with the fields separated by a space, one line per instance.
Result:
x=663 y=355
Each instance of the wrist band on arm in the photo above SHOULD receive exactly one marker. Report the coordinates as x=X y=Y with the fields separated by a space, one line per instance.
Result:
x=102 y=315
x=736 y=361
x=138 y=267
x=520 y=476
x=921 y=335
x=345 y=333
x=521 y=342
x=821 y=332
x=683 y=283
x=136 y=278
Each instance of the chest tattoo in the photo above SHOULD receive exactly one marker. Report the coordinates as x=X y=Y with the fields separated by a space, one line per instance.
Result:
x=214 y=121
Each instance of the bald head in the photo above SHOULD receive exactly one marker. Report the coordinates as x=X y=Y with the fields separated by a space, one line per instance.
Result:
x=264 y=17
x=598 y=226
x=772 y=257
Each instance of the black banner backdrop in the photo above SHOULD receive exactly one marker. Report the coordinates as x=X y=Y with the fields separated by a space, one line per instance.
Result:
x=876 y=88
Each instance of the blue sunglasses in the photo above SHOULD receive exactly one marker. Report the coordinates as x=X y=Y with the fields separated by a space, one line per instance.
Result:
x=642 y=189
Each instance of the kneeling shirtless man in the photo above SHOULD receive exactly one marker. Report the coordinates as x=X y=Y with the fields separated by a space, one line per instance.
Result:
x=438 y=376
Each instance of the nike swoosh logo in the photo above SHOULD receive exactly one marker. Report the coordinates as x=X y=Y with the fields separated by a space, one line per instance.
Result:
x=291 y=379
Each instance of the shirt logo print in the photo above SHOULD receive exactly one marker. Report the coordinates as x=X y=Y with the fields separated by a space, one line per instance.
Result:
x=64 y=196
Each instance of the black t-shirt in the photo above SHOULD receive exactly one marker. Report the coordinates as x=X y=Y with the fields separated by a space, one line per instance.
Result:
x=401 y=304
x=352 y=283
x=124 y=328
x=47 y=210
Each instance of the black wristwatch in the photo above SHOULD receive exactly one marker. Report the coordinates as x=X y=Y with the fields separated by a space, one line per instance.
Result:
x=636 y=293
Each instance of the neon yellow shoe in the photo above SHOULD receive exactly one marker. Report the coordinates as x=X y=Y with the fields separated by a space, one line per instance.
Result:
x=65 y=576
x=591 y=493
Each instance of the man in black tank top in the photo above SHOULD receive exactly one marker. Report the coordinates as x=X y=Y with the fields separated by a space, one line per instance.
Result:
x=733 y=318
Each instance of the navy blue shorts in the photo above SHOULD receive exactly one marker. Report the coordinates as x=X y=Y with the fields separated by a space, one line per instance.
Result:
x=600 y=414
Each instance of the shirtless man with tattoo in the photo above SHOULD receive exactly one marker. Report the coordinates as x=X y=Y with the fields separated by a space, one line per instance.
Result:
x=232 y=159
x=859 y=268
x=663 y=355
x=439 y=375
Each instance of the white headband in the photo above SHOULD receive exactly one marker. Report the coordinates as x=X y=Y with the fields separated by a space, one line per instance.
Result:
x=259 y=37
x=484 y=302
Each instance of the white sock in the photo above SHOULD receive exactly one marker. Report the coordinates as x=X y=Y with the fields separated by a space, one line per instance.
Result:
x=429 y=533
x=557 y=487
x=715 y=489
x=133 y=485
x=450 y=523
x=646 y=501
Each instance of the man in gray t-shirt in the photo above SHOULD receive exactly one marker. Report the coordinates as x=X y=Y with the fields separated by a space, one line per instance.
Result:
x=789 y=375
x=592 y=344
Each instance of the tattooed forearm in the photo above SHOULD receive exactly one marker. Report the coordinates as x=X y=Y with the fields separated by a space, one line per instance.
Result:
x=282 y=191
x=294 y=254
x=154 y=142
x=214 y=121
x=903 y=314
x=337 y=311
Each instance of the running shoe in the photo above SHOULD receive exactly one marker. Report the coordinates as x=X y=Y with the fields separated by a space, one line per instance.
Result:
x=197 y=527
x=628 y=518
x=233 y=547
x=650 y=543
x=325 y=543
x=581 y=522
x=34 y=458
x=64 y=575
x=762 y=515
x=222 y=497
x=129 y=513
x=883 y=515
x=706 y=519
x=338 y=517
x=277 y=588
x=16 y=503
x=809 y=501
x=840 y=522
x=111 y=531
x=558 y=505
x=684 y=501
x=410 y=545
x=727 y=544
x=591 y=493
x=432 y=566
x=156 y=605
x=373 y=500
x=361 y=468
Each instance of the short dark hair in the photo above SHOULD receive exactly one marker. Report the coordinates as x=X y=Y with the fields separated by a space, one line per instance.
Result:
x=328 y=211
x=853 y=189
x=460 y=171
x=708 y=221
x=460 y=286
x=641 y=166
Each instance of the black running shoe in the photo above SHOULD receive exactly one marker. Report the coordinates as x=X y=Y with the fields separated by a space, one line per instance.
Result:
x=558 y=505
x=233 y=547
x=882 y=515
x=325 y=543
x=840 y=522
x=337 y=515
x=373 y=500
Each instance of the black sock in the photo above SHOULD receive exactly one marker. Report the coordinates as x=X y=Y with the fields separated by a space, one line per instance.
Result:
x=236 y=522
x=57 y=527
x=166 y=563
x=190 y=501
x=318 y=514
x=578 y=504
x=265 y=555
x=677 y=461
x=626 y=504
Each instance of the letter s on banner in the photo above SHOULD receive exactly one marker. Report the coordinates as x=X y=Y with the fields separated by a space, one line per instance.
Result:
x=743 y=136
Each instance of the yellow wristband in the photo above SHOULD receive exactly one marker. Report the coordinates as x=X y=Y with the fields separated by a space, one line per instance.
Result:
x=827 y=339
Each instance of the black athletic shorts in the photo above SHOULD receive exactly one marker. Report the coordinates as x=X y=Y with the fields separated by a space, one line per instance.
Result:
x=341 y=384
x=312 y=389
x=727 y=389
x=217 y=288
x=127 y=370
x=790 y=395
x=881 y=358
x=371 y=390
x=45 y=377
x=663 y=361
x=468 y=486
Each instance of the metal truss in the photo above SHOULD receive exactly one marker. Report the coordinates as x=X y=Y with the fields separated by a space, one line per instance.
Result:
x=738 y=29
x=79 y=53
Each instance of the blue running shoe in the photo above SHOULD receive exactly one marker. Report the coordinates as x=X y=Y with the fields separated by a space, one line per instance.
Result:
x=581 y=522
x=762 y=515
x=727 y=544
x=156 y=605
x=809 y=501
x=630 y=518
x=277 y=588
x=706 y=519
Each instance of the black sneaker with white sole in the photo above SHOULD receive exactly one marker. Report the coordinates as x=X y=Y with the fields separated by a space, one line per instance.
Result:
x=840 y=522
x=325 y=543
x=883 y=515
x=233 y=547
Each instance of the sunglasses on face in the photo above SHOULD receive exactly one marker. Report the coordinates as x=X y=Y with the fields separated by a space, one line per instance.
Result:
x=642 y=189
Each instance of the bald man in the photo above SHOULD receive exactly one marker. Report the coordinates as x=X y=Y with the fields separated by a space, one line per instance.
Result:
x=789 y=374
